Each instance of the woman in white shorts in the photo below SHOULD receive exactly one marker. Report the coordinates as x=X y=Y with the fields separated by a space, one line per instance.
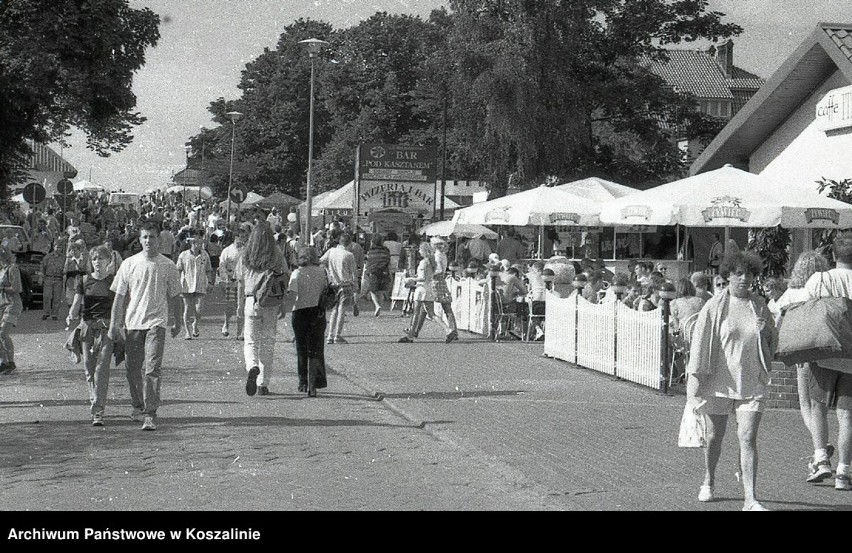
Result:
x=730 y=359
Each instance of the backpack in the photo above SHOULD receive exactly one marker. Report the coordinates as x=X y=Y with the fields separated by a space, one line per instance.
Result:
x=270 y=290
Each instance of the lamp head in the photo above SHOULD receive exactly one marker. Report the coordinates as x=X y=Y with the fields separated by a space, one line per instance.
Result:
x=313 y=46
x=234 y=116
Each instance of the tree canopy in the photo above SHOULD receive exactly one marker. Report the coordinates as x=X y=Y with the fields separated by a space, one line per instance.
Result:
x=68 y=63
x=529 y=89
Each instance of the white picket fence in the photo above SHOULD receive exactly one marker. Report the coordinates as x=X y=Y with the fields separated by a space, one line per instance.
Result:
x=608 y=338
x=471 y=305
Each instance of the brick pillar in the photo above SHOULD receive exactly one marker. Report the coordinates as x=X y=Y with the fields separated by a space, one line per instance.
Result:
x=784 y=391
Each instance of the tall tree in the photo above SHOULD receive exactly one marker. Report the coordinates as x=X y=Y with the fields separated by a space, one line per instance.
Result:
x=67 y=63
x=273 y=132
x=559 y=87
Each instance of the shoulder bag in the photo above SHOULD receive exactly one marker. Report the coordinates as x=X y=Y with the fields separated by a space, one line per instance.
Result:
x=816 y=329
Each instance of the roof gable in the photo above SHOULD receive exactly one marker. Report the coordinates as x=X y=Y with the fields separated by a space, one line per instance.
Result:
x=826 y=50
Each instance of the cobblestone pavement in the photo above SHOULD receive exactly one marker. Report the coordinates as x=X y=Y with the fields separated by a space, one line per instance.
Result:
x=469 y=425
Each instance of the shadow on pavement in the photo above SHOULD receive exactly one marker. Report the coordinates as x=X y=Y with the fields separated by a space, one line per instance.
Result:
x=454 y=395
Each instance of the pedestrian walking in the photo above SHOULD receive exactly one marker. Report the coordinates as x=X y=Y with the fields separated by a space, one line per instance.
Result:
x=424 y=295
x=819 y=465
x=376 y=279
x=227 y=276
x=261 y=260
x=730 y=356
x=53 y=273
x=831 y=379
x=442 y=291
x=93 y=306
x=196 y=272
x=145 y=286
x=340 y=264
x=11 y=308
x=307 y=283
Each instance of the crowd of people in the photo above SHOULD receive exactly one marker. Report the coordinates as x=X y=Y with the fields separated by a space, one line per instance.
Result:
x=129 y=276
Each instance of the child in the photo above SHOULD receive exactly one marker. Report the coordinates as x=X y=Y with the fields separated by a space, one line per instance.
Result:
x=93 y=304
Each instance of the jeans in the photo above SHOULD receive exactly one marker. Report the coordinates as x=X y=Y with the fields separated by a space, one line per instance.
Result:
x=261 y=325
x=143 y=357
x=96 y=364
x=338 y=313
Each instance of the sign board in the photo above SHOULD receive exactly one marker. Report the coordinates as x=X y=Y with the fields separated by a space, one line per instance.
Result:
x=396 y=177
x=239 y=193
x=65 y=186
x=834 y=111
x=69 y=174
x=398 y=163
x=34 y=193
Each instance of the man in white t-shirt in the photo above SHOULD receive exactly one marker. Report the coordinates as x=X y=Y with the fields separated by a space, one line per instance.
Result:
x=146 y=291
x=826 y=384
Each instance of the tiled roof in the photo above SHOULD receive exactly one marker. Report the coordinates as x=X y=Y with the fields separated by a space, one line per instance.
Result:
x=842 y=37
x=696 y=72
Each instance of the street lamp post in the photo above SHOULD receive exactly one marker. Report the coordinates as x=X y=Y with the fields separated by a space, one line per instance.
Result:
x=188 y=149
x=234 y=116
x=313 y=46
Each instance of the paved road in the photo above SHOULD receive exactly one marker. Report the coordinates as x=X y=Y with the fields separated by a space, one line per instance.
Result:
x=470 y=425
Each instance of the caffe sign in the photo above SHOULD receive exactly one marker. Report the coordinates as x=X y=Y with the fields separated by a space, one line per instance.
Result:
x=834 y=111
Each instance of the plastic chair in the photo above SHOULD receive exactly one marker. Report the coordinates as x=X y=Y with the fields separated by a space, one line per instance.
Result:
x=506 y=321
x=536 y=315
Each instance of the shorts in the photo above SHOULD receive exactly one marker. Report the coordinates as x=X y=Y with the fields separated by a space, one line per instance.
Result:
x=231 y=291
x=830 y=387
x=726 y=406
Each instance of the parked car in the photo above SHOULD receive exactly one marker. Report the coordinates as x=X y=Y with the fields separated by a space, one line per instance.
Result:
x=18 y=241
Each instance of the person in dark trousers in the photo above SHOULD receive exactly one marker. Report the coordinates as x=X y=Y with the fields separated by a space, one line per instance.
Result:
x=307 y=283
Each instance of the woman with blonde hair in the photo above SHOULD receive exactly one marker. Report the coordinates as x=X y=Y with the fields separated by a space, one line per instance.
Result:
x=261 y=258
x=808 y=264
x=308 y=282
x=11 y=308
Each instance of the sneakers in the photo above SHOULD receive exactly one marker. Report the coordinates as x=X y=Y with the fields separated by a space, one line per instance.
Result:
x=819 y=471
x=137 y=416
x=251 y=381
x=705 y=494
x=452 y=336
x=843 y=482
x=756 y=506
x=405 y=340
x=7 y=368
x=340 y=340
x=377 y=311
x=149 y=423
x=355 y=309
x=98 y=419
x=263 y=391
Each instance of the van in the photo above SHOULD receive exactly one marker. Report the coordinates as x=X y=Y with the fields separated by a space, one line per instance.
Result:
x=126 y=199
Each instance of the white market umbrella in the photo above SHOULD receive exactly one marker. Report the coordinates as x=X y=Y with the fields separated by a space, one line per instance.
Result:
x=542 y=206
x=203 y=192
x=596 y=189
x=452 y=228
x=251 y=199
x=728 y=197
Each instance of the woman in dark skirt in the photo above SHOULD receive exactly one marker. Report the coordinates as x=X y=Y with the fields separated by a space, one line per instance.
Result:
x=376 y=280
x=307 y=283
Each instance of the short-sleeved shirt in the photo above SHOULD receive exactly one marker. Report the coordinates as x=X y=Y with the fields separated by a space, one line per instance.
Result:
x=307 y=283
x=150 y=283
x=97 y=297
x=193 y=271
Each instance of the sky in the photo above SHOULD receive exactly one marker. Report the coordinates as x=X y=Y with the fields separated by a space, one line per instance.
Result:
x=205 y=44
